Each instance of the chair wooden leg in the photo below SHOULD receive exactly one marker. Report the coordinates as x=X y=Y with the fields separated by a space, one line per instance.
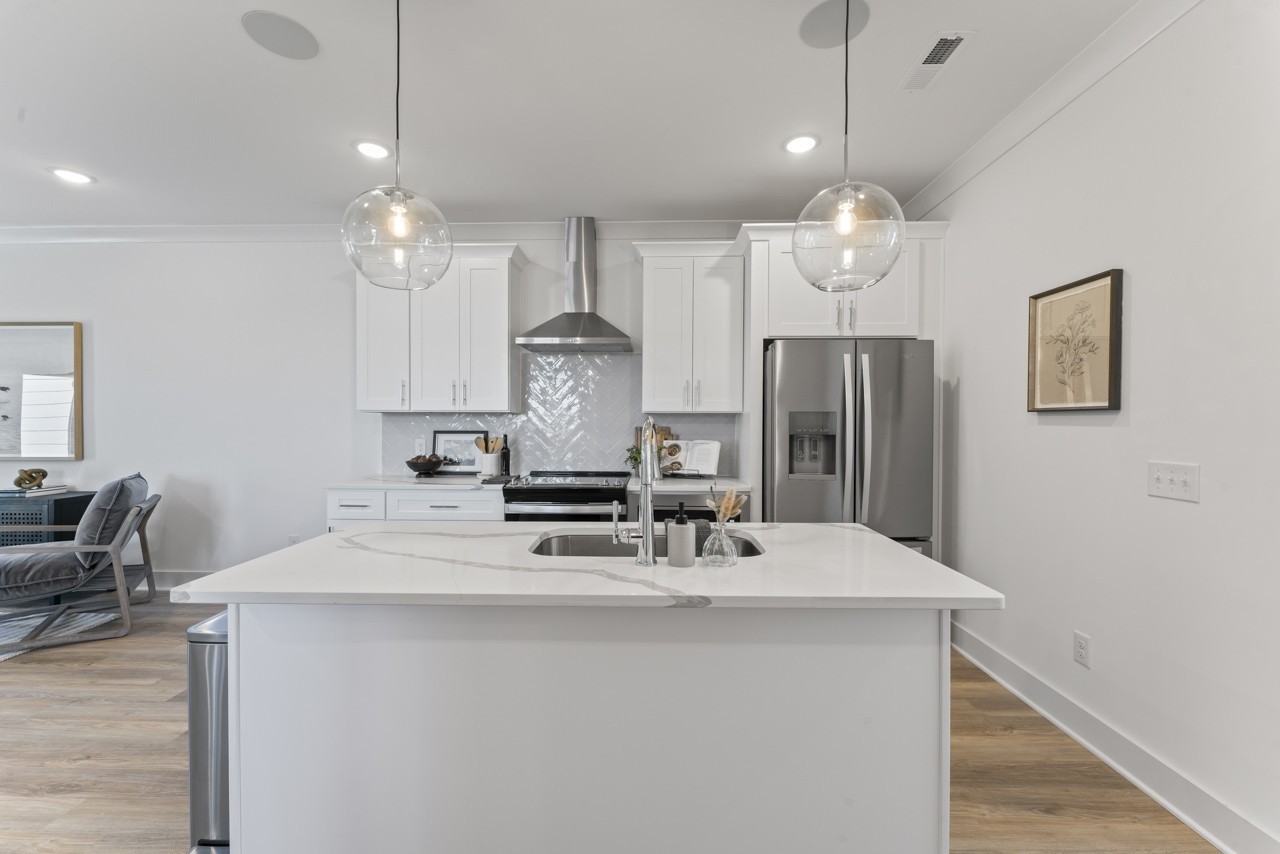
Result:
x=45 y=623
x=35 y=639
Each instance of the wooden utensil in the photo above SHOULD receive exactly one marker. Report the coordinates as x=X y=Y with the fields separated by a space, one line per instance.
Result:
x=480 y=444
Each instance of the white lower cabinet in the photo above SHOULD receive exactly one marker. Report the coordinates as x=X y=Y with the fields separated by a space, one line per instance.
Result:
x=890 y=308
x=442 y=505
x=420 y=504
x=447 y=348
x=692 y=355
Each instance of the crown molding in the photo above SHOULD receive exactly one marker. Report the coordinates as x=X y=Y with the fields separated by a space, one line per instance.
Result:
x=1108 y=51
x=321 y=233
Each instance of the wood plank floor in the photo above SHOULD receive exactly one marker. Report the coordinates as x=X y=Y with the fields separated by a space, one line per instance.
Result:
x=93 y=756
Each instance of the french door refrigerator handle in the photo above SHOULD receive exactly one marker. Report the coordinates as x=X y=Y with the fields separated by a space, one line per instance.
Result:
x=847 y=510
x=772 y=475
x=866 y=426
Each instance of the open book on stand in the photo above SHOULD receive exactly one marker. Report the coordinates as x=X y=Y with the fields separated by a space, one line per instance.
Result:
x=693 y=457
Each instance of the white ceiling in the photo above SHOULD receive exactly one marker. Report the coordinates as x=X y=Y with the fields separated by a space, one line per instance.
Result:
x=512 y=110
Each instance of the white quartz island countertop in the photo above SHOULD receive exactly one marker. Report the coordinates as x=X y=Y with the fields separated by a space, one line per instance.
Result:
x=489 y=563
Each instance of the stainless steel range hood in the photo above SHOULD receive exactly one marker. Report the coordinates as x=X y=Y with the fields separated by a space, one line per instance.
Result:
x=579 y=329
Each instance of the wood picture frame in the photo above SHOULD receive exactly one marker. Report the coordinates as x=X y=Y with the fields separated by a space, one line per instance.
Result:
x=1073 y=345
x=458 y=448
x=41 y=391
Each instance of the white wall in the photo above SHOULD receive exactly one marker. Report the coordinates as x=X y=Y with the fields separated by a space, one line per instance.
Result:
x=1166 y=168
x=220 y=363
x=222 y=371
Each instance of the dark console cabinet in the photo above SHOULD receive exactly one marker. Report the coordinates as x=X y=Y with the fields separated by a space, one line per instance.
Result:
x=65 y=508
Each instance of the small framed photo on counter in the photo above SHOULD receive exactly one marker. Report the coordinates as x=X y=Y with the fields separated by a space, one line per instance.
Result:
x=459 y=450
x=1073 y=348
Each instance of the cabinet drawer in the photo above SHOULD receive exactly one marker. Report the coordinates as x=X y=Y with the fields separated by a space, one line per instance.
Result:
x=443 y=505
x=353 y=504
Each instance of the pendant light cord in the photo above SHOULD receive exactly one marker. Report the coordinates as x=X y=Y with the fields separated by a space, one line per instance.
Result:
x=847 y=3
x=398 y=96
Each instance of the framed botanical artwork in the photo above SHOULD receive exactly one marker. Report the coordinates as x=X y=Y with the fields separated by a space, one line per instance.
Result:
x=459 y=450
x=1073 y=346
x=41 y=392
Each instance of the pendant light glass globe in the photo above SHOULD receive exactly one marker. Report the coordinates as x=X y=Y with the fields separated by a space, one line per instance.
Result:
x=397 y=238
x=848 y=237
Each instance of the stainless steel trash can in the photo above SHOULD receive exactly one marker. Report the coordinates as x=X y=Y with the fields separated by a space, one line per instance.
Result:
x=207 y=725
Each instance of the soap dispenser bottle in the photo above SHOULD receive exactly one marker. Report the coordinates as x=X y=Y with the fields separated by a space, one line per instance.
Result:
x=680 y=540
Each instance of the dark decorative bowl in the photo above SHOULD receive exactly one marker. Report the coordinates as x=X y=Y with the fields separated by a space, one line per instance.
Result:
x=424 y=469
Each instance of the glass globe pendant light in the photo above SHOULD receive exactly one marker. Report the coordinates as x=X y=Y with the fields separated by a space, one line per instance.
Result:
x=395 y=237
x=849 y=236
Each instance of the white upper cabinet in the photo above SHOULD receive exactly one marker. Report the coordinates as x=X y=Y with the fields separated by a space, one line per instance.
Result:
x=890 y=308
x=692 y=355
x=448 y=345
x=382 y=348
x=434 y=336
x=796 y=308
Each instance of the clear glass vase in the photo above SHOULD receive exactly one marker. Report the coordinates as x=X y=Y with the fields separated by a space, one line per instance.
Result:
x=719 y=549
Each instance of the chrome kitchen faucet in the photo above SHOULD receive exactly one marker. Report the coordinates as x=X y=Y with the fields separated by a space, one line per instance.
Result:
x=648 y=473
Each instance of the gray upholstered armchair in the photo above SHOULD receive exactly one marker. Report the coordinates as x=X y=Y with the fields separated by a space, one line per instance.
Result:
x=87 y=573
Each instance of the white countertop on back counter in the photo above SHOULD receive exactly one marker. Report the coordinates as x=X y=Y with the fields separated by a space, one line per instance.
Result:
x=665 y=486
x=692 y=486
x=412 y=481
x=489 y=563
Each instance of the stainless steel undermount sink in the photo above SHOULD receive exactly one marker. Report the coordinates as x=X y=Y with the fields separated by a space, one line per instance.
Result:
x=565 y=543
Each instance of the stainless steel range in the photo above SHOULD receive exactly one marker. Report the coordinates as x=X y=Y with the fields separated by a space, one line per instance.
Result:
x=566 y=496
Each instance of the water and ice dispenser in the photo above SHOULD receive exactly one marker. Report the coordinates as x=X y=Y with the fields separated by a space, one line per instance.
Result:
x=812 y=444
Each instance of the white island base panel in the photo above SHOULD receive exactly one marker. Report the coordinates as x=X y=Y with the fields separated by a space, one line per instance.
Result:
x=570 y=730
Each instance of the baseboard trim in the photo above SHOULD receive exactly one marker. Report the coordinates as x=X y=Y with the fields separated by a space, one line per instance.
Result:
x=1219 y=824
x=167 y=579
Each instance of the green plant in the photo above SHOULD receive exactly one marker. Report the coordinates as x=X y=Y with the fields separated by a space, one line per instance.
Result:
x=633 y=456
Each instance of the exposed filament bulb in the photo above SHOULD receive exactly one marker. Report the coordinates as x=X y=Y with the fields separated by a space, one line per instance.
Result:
x=845 y=222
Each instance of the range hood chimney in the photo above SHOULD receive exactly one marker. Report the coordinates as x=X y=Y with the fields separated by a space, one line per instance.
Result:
x=579 y=329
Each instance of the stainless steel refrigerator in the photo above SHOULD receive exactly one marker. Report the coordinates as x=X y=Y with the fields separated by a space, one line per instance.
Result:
x=849 y=434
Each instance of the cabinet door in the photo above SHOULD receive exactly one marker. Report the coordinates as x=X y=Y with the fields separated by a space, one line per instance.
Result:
x=717 y=334
x=443 y=505
x=382 y=348
x=667 y=360
x=891 y=307
x=796 y=308
x=434 y=334
x=486 y=335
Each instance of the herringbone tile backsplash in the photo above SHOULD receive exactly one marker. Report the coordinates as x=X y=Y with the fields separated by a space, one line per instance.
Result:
x=580 y=412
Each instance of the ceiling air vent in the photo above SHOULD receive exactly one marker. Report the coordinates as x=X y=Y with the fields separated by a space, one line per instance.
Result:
x=936 y=57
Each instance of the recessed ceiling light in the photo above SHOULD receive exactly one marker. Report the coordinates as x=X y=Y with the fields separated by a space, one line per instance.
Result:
x=280 y=35
x=801 y=144
x=372 y=149
x=71 y=176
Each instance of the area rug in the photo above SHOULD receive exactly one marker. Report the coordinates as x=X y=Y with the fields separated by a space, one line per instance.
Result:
x=68 y=624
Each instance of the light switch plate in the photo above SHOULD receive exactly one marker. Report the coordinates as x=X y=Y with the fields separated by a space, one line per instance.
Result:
x=1174 y=480
x=419 y=447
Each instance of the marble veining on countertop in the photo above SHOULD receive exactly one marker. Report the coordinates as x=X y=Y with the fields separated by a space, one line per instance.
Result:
x=489 y=563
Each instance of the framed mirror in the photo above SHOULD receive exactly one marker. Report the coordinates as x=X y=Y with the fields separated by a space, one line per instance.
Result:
x=41 y=392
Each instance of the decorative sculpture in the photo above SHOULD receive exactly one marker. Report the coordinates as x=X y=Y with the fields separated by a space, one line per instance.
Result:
x=30 y=478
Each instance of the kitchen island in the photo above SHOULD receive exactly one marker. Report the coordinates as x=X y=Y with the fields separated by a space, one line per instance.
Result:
x=438 y=687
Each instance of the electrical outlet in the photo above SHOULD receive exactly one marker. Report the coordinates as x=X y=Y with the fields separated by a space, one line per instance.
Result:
x=1081 y=650
x=1174 y=480
x=294 y=539
x=419 y=447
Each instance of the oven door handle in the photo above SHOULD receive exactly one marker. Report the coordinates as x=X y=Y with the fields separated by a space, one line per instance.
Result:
x=561 y=509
